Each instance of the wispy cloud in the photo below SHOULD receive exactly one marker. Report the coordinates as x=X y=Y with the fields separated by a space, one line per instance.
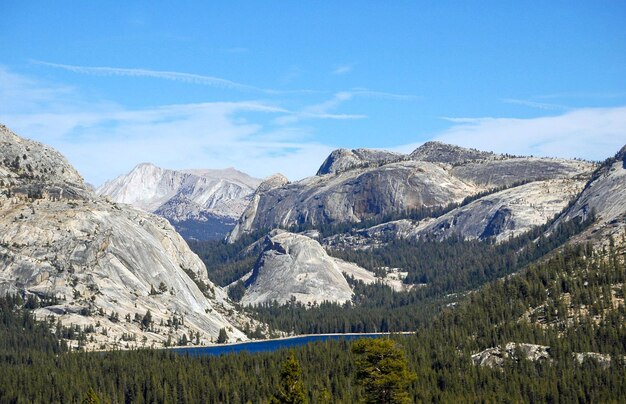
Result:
x=589 y=133
x=216 y=134
x=323 y=110
x=585 y=95
x=363 y=92
x=537 y=105
x=164 y=75
x=342 y=69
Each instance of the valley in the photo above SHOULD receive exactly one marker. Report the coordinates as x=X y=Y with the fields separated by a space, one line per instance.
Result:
x=496 y=267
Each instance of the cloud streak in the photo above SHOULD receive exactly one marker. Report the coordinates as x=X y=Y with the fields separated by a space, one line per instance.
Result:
x=537 y=105
x=342 y=69
x=165 y=75
x=589 y=133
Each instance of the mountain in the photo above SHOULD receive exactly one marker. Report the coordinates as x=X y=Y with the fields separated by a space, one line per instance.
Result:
x=200 y=204
x=91 y=262
x=604 y=196
x=361 y=185
x=296 y=267
x=498 y=215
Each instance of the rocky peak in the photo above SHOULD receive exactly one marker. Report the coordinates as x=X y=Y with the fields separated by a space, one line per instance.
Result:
x=438 y=152
x=342 y=160
x=295 y=266
x=215 y=197
x=273 y=181
x=94 y=261
x=26 y=160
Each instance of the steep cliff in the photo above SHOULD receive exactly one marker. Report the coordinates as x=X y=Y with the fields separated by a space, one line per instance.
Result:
x=90 y=261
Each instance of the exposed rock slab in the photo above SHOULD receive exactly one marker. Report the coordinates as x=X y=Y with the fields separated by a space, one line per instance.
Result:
x=438 y=152
x=495 y=357
x=213 y=197
x=341 y=160
x=295 y=266
x=356 y=185
x=509 y=171
x=501 y=215
x=355 y=195
x=59 y=240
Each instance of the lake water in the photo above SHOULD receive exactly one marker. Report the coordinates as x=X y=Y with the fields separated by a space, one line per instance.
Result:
x=269 y=345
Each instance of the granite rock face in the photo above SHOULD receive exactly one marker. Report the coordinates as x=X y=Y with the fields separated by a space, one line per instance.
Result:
x=605 y=196
x=355 y=195
x=500 y=215
x=495 y=357
x=213 y=198
x=295 y=266
x=97 y=261
x=516 y=351
x=342 y=160
x=438 y=152
x=605 y=193
x=356 y=185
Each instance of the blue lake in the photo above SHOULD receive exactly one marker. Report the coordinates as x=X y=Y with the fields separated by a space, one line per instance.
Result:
x=269 y=345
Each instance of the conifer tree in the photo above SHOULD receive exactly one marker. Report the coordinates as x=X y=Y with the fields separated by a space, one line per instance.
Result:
x=291 y=386
x=383 y=371
x=222 y=337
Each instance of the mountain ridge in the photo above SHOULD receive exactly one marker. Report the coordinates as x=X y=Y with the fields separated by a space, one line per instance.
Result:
x=91 y=261
x=210 y=196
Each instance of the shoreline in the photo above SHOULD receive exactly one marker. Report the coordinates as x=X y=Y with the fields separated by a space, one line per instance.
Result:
x=291 y=337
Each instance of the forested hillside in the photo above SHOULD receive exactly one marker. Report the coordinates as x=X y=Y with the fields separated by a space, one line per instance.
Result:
x=572 y=302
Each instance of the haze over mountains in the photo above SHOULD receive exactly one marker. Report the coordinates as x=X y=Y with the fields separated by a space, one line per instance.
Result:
x=461 y=193
x=200 y=204
x=88 y=259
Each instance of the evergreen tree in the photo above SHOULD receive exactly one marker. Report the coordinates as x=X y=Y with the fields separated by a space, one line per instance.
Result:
x=146 y=320
x=91 y=397
x=291 y=386
x=383 y=371
x=222 y=337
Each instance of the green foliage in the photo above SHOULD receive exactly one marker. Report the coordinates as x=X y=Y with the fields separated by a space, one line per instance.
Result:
x=383 y=370
x=222 y=337
x=227 y=262
x=291 y=390
x=237 y=291
x=146 y=321
x=91 y=397
x=448 y=268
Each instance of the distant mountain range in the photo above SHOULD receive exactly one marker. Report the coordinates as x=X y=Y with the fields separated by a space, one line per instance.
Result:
x=200 y=204
x=88 y=259
x=361 y=185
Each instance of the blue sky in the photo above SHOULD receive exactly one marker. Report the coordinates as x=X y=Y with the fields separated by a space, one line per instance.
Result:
x=275 y=86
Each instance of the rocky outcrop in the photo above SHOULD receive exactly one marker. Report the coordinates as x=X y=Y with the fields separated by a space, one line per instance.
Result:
x=295 y=266
x=604 y=196
x=368 y=185
x=341 y=160
x=246 y=220
x=93 y=261
x=356 y=195
x=605 y=193
x=500 y=215
x=214 y=198
x=438 y=152
x=515 y=351
x=511 y=171
x=495 y=357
